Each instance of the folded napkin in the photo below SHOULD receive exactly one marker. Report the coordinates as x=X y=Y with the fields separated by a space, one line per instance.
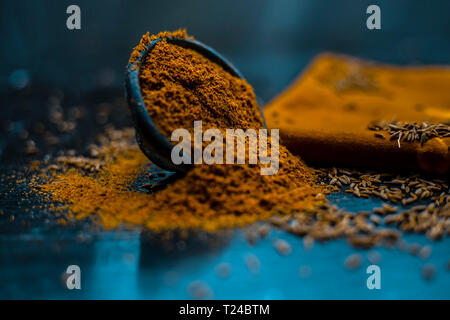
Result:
x=328 y=115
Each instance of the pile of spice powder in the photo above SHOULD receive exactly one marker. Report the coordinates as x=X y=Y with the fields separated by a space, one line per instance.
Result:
x=180 y=86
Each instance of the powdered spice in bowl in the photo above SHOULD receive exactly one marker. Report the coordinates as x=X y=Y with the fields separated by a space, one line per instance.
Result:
x=180 y=85
x=174 y=80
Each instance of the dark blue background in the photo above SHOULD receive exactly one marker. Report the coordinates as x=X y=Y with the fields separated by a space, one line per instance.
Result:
x=269 y=41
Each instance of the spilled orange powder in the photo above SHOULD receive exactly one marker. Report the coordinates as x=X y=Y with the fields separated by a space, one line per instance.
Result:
x=208 y=197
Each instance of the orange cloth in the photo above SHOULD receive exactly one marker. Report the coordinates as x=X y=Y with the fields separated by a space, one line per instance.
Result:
x=323 y=116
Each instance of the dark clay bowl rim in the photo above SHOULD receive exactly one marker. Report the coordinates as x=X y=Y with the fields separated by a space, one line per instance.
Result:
x=152 y=142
